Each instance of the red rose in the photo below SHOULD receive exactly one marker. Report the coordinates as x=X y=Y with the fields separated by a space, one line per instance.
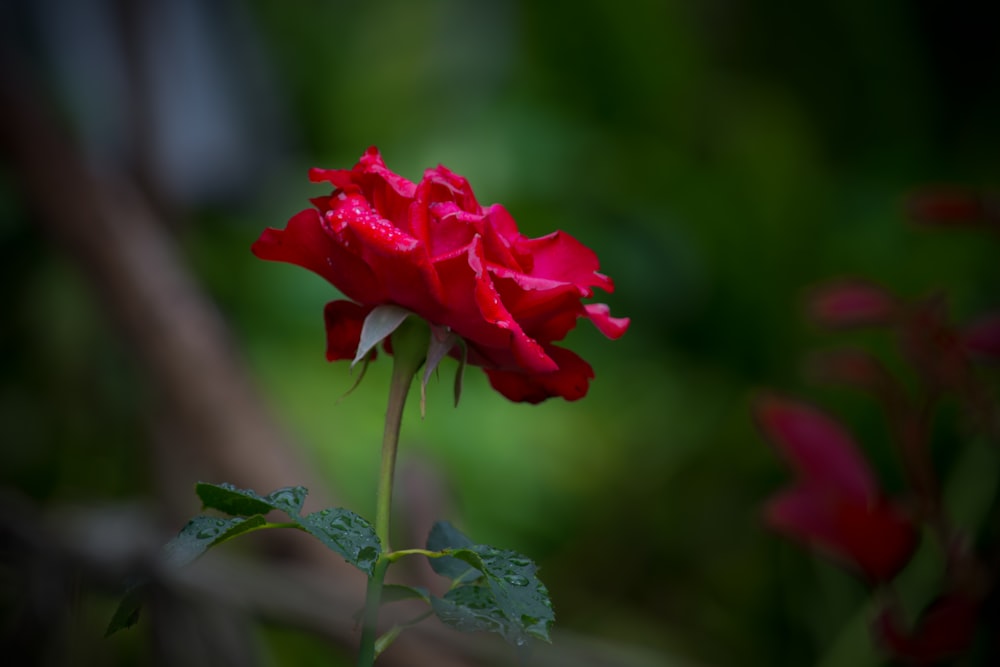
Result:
x=429 y=247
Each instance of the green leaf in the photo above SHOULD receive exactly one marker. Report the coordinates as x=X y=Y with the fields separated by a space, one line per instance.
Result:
x=396 y=592
x=361 y=376
x=383 y=642
x=460 y=372
x=445 y=536
x=194 y=539
x=511 y=601
x=379 y=324
x=288 y=499
x=469 y=609
x=127 y=613
x=339 y=529
x=203 y=532
x=350 y=535
x=244 y=502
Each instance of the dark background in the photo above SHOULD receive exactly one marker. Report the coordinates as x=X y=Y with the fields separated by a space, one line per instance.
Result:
x=721 y=157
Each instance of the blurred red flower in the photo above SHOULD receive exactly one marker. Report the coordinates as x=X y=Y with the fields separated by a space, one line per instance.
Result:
x=851 y=302
x=953 y=206
x=835 y=506
x=982 y=337
x=431 y=248
x=945 y=629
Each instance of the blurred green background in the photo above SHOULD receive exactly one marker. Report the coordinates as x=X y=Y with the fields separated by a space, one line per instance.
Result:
x=720 y=157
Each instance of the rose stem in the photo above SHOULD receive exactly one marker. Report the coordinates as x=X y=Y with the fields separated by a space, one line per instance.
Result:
x=409 y=345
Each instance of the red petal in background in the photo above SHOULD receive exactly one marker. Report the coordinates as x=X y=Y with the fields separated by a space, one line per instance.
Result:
x=851 y=303
x=817 y=447
x=944 y=630
x=982 y=338
x=947 y=205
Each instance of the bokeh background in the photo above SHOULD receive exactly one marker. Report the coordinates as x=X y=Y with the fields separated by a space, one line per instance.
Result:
x=721 y=157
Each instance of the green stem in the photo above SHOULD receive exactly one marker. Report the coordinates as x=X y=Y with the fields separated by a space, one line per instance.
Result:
x=409 y=344
x=402 y=377
x=373 y=595
x=393 y=556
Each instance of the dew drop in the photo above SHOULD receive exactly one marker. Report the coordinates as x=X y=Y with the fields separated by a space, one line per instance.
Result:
x=516 y=580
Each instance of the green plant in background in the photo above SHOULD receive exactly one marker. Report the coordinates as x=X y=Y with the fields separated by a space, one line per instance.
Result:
x=429 y=273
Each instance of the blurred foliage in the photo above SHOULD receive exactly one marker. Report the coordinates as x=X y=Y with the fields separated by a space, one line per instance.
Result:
x=720 y=157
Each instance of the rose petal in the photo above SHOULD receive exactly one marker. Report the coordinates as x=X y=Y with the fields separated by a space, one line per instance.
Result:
x=559 y=256
x=448 y=228
x=570 y=381
x=505 y=225
x=548 y=310
x=398 y=259
x=446 y=185
x=545 y=309
x=600 y=315
x=388 y=193
x=344 y=320
x=307 y=243
x=527 y=351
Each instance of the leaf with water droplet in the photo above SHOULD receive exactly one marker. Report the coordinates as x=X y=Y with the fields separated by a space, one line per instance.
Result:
x=348 y=534
x=288 y=499
x=203 y=532
x=510 y=600
x=443 y=536
x=469 y=609
x=194 y=539
x=246 y=502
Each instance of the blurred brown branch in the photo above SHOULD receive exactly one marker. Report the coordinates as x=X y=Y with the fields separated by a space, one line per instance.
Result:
x=133 y=266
